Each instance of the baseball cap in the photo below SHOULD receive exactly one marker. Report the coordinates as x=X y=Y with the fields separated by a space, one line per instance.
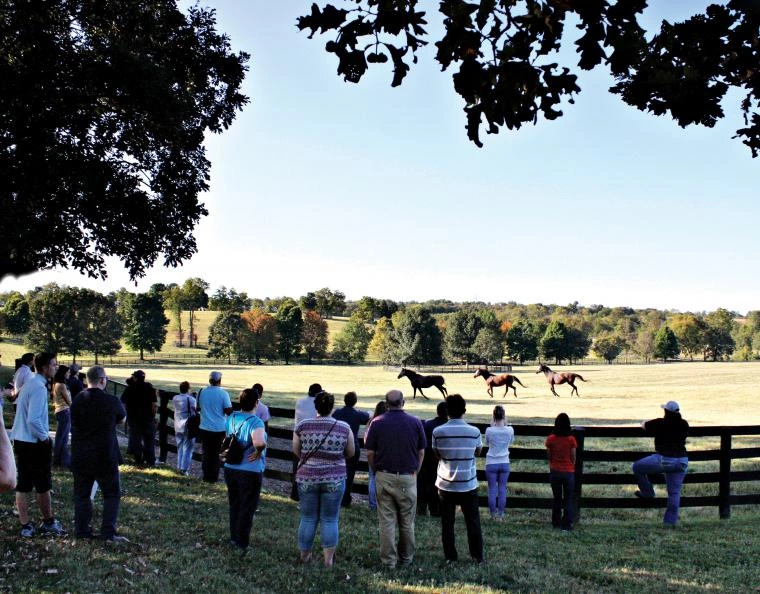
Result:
x=671 y=405
x=74 y=368
x=139 y=374
x=215 y=376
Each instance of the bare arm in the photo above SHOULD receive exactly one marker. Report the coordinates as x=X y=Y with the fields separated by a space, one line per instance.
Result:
x=350 y=446
x=296 y=446
x=371 y=459
x=420 y=458
x=572 y=455
x=7 y=462
x=258 y=438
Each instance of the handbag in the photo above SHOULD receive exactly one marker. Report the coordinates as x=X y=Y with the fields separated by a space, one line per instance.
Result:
x=231 y=451
x=193 y=423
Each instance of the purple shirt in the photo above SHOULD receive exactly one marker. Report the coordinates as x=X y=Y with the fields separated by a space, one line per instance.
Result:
x=396 y=438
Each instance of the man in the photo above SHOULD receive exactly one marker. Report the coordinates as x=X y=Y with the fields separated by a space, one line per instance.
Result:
x=33 y=447
x=456 y=444
x=73 y=382
x=395 y=448
x=427 y=493
x=141 y=402
x=304 y=410
x=262 y=410
x=22 y=374
x=214 y=405
x=95 y=455
x=354 y=418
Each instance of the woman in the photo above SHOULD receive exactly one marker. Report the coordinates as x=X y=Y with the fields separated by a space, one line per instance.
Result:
x=62 y=403
x=560 y=447
x=499 y=436
x=322 y=446
x=379 y=410
x=244 y=479
x=669 y=434
x=184 y=408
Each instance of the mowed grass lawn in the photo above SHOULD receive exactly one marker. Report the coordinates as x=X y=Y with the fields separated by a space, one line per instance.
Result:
x=178 y=525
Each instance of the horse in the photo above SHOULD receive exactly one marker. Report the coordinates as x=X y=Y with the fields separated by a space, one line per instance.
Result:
x=504 y=379
x=554 y=378
x=423 y=381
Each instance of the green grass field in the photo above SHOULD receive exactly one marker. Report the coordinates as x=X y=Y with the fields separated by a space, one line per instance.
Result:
x=178 y=524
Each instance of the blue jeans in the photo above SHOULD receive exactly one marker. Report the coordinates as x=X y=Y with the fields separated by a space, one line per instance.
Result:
x=497 y=475
x=320 y=503
x=371 y=490
x=674 y=470
x=243 y=491
x=61 y=455
x=185 y=446
x=563 y=489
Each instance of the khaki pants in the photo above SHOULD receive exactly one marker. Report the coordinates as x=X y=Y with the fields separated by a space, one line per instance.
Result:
x=396 y=506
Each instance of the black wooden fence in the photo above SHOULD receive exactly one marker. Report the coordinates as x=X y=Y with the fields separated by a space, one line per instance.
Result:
x=281 y=424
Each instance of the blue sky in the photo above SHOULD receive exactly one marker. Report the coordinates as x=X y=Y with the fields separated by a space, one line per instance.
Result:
x=377 y=191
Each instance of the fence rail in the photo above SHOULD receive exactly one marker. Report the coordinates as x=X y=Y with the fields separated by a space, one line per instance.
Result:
x=280 y=427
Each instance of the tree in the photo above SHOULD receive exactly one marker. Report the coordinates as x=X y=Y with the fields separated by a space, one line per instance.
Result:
x=489 y=345
x=16 y=311
x=314 y=335
x=522 y=341
x=719 y=341
x=261 y=338
x=223 y=335
x=104 y=329
x=50 y=311
x=381 y=346
x=608 y=347
x=144 y=322
x=462 y=329
x=690 y=332
x=578 y=343
x=554 y=342
x=353 y=340
x=289 y=324
x=174 y=301
x=327 y=302
x=194 y=297
x=415 y=339
x=229 y=300
x=105 y=107
x=512 y=66
x=665 y=344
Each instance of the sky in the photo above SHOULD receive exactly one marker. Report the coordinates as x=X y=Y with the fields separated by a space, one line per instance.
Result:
x=377 y=191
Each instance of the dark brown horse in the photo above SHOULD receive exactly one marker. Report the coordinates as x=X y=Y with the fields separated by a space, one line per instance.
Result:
x=554 y=378
x=496 y=381
x=423 y=381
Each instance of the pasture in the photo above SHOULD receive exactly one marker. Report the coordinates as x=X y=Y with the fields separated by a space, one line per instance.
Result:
x=177 y=524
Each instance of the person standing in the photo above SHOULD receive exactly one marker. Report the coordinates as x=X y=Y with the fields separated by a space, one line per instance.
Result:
x=456 y=444
x=244 y=480
x=140 y=400
x=670 y=433
x=262 y=410
x=33 y=447
x=95 y=455
x=427 y=492
x=354 y=418
x=73 y=382
x=184 y=405
x=560 y=448
x=380 y=409
x=322 y=446
x=499 y=436
x=395 y=448
x=62 y=403
x=22 y=375
x=304 y=410
x=214 y=405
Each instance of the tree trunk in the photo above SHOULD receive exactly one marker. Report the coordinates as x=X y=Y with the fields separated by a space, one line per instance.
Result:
x=192 y=316
x=142 y=357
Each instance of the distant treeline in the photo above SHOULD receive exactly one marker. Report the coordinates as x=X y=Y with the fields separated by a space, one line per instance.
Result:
x=76 y=321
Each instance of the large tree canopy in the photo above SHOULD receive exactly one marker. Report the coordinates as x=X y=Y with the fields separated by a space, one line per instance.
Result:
x=103 y=111
x=509 y=69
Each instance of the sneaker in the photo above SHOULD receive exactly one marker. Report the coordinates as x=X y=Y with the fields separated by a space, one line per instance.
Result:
x=641 y=495
x=27 y=530
x=117 y=539
x=53 y=528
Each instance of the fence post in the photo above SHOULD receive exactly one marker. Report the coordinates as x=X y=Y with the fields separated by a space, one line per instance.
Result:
x=724 y=484
x=163 y=418
x=580 y=437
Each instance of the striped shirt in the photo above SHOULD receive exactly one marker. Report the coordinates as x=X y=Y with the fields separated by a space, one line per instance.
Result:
x=456 y=443
x=327 y=439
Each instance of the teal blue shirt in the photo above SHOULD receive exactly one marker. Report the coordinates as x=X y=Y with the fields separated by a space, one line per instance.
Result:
x=212 y=401
x=244 y=424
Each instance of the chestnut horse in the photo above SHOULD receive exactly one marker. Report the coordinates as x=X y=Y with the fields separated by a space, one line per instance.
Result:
x=504 y=379
x=554 y=378
x=423 y=381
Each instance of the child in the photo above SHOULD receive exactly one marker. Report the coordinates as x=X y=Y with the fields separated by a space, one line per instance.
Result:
x=560 y=447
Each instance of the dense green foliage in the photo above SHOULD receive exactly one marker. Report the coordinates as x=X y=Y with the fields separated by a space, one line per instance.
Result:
x=289 y=325
x=353 y=341
x=665 y=344
x=144 y=321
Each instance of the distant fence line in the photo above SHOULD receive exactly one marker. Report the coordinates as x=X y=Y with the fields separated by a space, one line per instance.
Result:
x=724 y=455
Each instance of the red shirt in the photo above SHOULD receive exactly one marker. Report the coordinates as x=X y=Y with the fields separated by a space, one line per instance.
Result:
x=560 y=458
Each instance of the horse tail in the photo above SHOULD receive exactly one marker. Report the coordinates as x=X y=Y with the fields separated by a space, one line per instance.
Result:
x=518 y=381
x=580 y=377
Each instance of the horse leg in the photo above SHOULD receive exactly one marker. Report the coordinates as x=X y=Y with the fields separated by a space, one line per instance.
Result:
x=575 y=389
x=514 y=390
x=554 y=391
x=423 y=394
x=443 y=391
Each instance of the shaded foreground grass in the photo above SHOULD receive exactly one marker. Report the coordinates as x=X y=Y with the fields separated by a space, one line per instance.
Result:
x=178 y=529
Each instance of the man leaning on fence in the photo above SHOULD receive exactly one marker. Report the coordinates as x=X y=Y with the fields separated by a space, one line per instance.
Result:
x=395 y=445
x=214 y=405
